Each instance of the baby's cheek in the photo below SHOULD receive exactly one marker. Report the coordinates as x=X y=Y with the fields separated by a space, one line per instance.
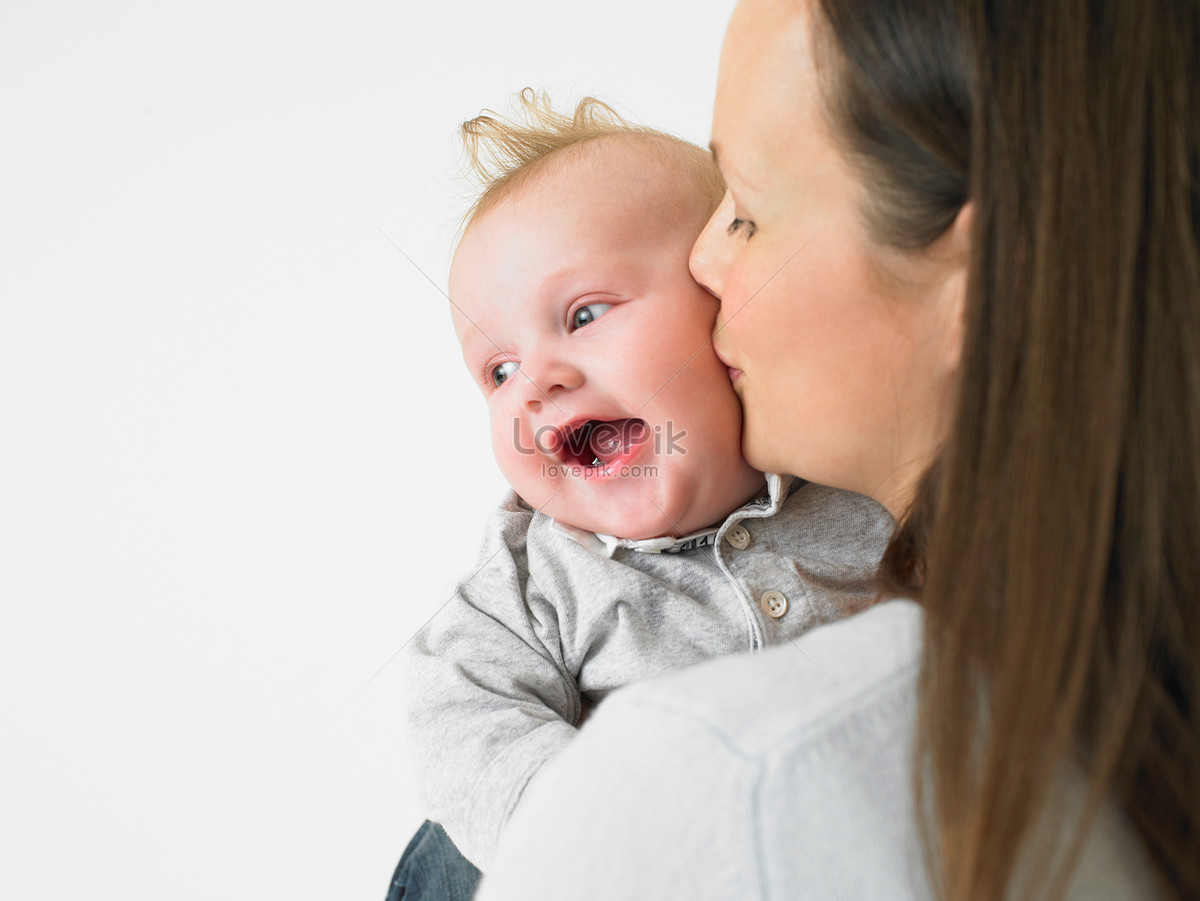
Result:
x=723 y=414
x=511 y=446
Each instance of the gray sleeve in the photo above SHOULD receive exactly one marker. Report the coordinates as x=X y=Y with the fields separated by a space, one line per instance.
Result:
x=489 y=698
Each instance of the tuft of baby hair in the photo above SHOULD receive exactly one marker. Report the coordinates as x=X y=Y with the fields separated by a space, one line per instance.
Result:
x=503 y=153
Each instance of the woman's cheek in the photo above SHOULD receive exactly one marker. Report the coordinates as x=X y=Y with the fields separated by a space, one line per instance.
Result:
x=764 y=321
x=735 y=305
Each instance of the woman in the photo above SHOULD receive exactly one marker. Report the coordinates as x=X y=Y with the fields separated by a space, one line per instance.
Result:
x=959 y=273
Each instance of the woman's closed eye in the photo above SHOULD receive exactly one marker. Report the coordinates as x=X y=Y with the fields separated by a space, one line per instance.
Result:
x=588 y=314
x=745 y=226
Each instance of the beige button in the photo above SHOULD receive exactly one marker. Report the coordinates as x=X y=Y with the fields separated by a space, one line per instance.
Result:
x=738 y=537
x=773 y=604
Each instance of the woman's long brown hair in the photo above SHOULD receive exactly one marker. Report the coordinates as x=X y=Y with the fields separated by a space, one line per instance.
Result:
x=1055 y=546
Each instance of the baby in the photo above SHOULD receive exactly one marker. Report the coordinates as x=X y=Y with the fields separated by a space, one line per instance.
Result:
x=636 y=538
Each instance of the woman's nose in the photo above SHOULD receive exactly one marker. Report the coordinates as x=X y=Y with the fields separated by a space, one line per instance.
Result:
x=544 y=381
x=713 y=250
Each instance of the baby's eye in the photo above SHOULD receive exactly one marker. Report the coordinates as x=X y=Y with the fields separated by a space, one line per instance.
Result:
x=503 y=372
x=588 y=314
x=738 y=225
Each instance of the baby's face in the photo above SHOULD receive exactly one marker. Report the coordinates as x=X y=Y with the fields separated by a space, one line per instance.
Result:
x=582 y=325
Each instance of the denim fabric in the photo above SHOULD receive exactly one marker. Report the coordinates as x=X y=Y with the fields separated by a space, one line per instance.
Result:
x=432 y=869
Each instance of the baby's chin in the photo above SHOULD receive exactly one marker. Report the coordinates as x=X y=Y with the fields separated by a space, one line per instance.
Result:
x=674 y=523
x=660 y=529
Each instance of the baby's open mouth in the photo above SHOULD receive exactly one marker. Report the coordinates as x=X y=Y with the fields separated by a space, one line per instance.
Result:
x=598 y=442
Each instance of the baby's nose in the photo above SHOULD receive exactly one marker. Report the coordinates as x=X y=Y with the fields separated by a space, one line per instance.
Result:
x=546 y=381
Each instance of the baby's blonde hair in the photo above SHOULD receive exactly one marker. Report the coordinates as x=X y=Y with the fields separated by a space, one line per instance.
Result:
x=506 y=153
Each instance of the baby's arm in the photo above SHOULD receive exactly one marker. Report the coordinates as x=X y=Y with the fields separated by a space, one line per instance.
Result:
x=490 y=699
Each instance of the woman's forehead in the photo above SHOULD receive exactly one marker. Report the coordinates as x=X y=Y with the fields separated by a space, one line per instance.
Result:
x=767 y=90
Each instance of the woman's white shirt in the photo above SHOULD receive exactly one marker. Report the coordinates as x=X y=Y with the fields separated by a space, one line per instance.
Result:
x=785 y=774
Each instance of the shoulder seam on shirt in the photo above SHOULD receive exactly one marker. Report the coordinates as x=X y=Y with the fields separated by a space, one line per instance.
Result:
x=756 y=828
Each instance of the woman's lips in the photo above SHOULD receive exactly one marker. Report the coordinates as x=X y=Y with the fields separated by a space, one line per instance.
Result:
x=734 y=372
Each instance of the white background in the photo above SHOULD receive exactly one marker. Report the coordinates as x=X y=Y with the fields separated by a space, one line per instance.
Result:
x=240 y=460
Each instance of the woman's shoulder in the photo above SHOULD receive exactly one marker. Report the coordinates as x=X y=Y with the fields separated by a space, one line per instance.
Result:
x=797 y=691
x=707 y=783
x=781 y=774
x=821 y=732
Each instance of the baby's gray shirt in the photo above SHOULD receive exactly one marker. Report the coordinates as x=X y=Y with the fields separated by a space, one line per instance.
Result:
x=497 y=676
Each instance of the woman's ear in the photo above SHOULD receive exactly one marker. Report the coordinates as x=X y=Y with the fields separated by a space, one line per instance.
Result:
x=956 y=254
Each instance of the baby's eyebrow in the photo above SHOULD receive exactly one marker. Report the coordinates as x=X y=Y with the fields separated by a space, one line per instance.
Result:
x=471 y=337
